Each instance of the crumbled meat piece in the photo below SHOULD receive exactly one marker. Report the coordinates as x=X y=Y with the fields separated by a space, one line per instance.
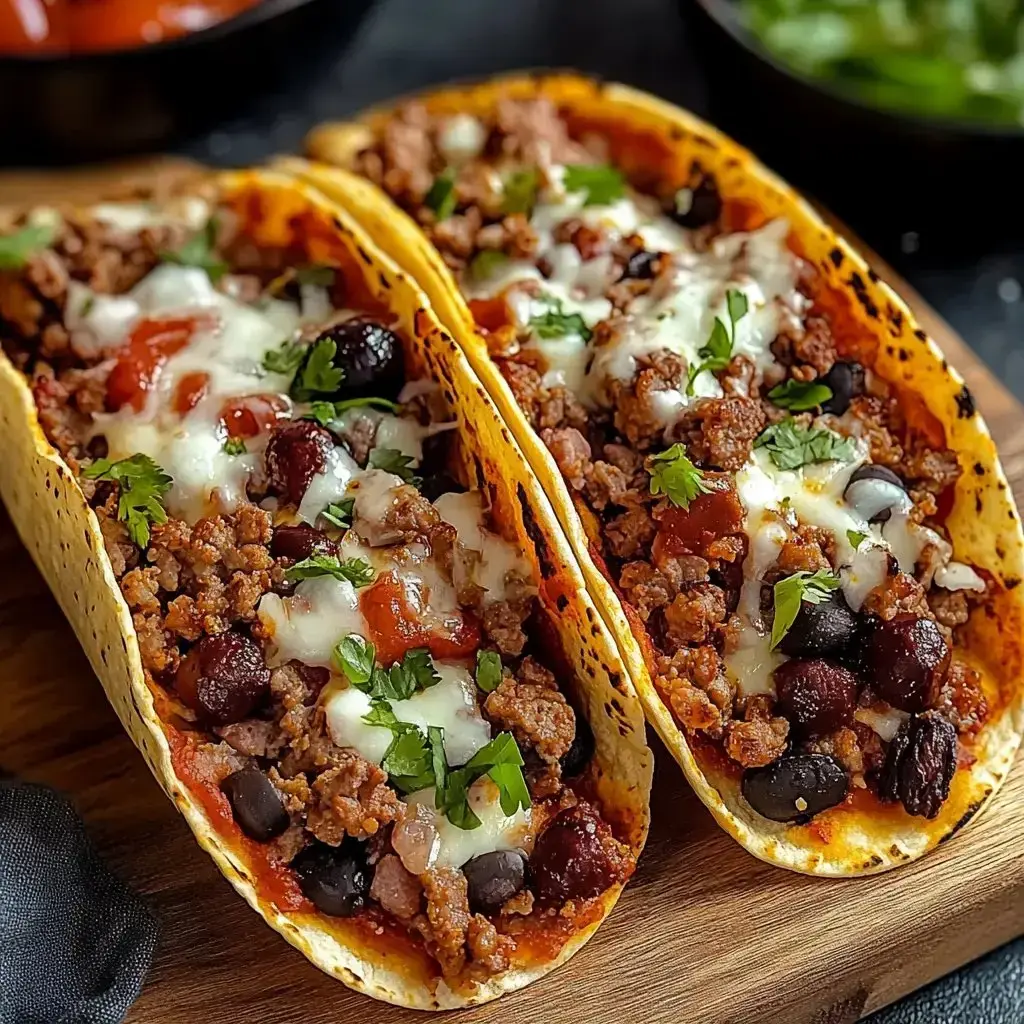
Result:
x=121 y=549
x=931 y=470
x=409 y=517
x=571 y=452
x=694 y=615
x=288 y=845
x=844 y=746
x=521 y=904
x=63 y=423
x=871 y=413
x=512 y=235
x=741 y=377
x=811 y=346
x=899 y=593
x=639 y=411
x=645 y=588
x=295 y=793
x=47 y=273
x=760 y=737
x=289 y=688
x=720 y=432
x=949 y=607
x=558 y=407
x=589 y=241
x=489 y=951
x=630 y=534
x=531 y=707
x=800 y=554
x=526 y=386
x=402 y=162
x=692 y=682
x=681 y=570
x=253 y=737
x=448 y=916
x=607 y=485
x=395 y=889
x=358 y=436
x=19 y=307
x=502 y=623
x=212 y=763
x=623 y=458
x=352 y=798
x=455 y=236
x=533 y=133
x=961 y=699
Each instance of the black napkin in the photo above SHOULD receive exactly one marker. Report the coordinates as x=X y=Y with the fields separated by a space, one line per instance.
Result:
x=75 y=943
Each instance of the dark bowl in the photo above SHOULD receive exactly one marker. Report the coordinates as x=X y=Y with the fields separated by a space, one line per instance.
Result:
x=93 y=106
x=949 y=183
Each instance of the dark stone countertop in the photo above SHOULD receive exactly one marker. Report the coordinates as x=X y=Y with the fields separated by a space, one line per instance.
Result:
x=406 y=44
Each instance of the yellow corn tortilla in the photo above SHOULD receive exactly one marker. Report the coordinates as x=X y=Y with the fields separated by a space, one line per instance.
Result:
x=62 y=533
x=653 y=140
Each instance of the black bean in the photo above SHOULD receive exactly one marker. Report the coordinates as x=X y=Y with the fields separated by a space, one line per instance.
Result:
x=578 y=756
x=846 y=381
x=300 y=541
x=874 y=491
x=704 y=206
x=223 y=678
x=494 y=878
x=256 y=804
x=336 y=879
x=641 y=265
x=920 y=764
x=370 y=355
x=820 y=630
x=816 y=696
x=795 y=788
x=296 y=452
x=905 y=661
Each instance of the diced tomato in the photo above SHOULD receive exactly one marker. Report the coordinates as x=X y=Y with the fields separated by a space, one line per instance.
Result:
x=191 y=390
x=253 y=414
x=491 y=314
x=399 y=618
x=690 y=530
x=152 y=342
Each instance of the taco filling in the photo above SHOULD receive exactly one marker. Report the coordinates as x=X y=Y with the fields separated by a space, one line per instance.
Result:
x=769 y=509
x=347 y=655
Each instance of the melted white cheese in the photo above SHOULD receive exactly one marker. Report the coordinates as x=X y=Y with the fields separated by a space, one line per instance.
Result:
x=751 y=665
x=307 y=624
x=461 y=138
x=450 y=705
x=328 y=487
x=498 y=560
x=455 y=846
x=190 y=211
x=885 y=723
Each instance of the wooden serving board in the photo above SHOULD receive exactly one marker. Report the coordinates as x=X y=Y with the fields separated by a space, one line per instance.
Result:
x=704 y=934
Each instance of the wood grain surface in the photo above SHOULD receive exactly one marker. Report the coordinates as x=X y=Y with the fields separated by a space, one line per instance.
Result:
x=703 y=934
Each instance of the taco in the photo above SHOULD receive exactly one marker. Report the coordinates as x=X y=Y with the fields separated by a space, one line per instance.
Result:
x=320 y=585
x=783 y=499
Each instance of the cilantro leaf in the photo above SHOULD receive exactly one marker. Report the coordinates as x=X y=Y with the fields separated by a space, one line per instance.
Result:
x=408 y=759
x=235 y=446
x=791 y=592
x=503 y=763
x=357 y=571
x=441 y=197
x=415 y=672
x=318 y=374
x=453 y=799
x=381 y=714
x=519 y=191
x=675 y=476
x=799 y=395
x=199 y=251
x=792 y=446
x=602 y=183
x=326 y=412
x=438 y=759
x=856 y=538
x=717 y=352
x=18 y=248
x=488 y=670
x=485 y=263
x=392 y=460
x=556 y=323
x=322 y=412
x=340 y=514
x=285 y=359
x=354 y=655
x=142 y=485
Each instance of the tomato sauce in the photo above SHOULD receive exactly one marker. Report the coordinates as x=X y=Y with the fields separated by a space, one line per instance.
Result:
x=690 y=530
x=251 y=415
x=396 y=611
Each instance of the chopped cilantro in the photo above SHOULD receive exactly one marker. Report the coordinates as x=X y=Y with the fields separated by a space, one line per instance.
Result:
x=503 y=762
x=485 y=263
x=381 y=714
x=603 y=184
x=675 y=476
x=519 y=191
x=235 y=446
x=357 y=571
x=285 y=359
x=16 y=249
x=556 y=323
x=441 y=197
x=792 y=591
x=340 y=514
x=142 y=484
x=799 y=395
x=392 y=460
x=409 y=759
x=354 y=656
x=856 y=538
x=326 y=412
x=322 y=412
x=792 y=446
x=199 y=251
x=317 y=375
x=415 y=672
x=488 y=670
x=715 y=355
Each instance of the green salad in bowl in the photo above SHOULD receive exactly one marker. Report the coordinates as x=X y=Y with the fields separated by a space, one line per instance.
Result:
x=953 y=59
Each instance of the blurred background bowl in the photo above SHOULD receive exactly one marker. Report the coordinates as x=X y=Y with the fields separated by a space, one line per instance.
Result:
x=56 y=109
x=944 y=180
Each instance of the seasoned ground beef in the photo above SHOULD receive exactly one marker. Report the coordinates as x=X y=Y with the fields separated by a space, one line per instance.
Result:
x=448 y=917
x=760 y=737
x=720 y=432
x=352 y=798
x=395 y=889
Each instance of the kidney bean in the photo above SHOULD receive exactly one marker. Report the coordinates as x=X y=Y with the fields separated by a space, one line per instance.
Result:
x=223 y=678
